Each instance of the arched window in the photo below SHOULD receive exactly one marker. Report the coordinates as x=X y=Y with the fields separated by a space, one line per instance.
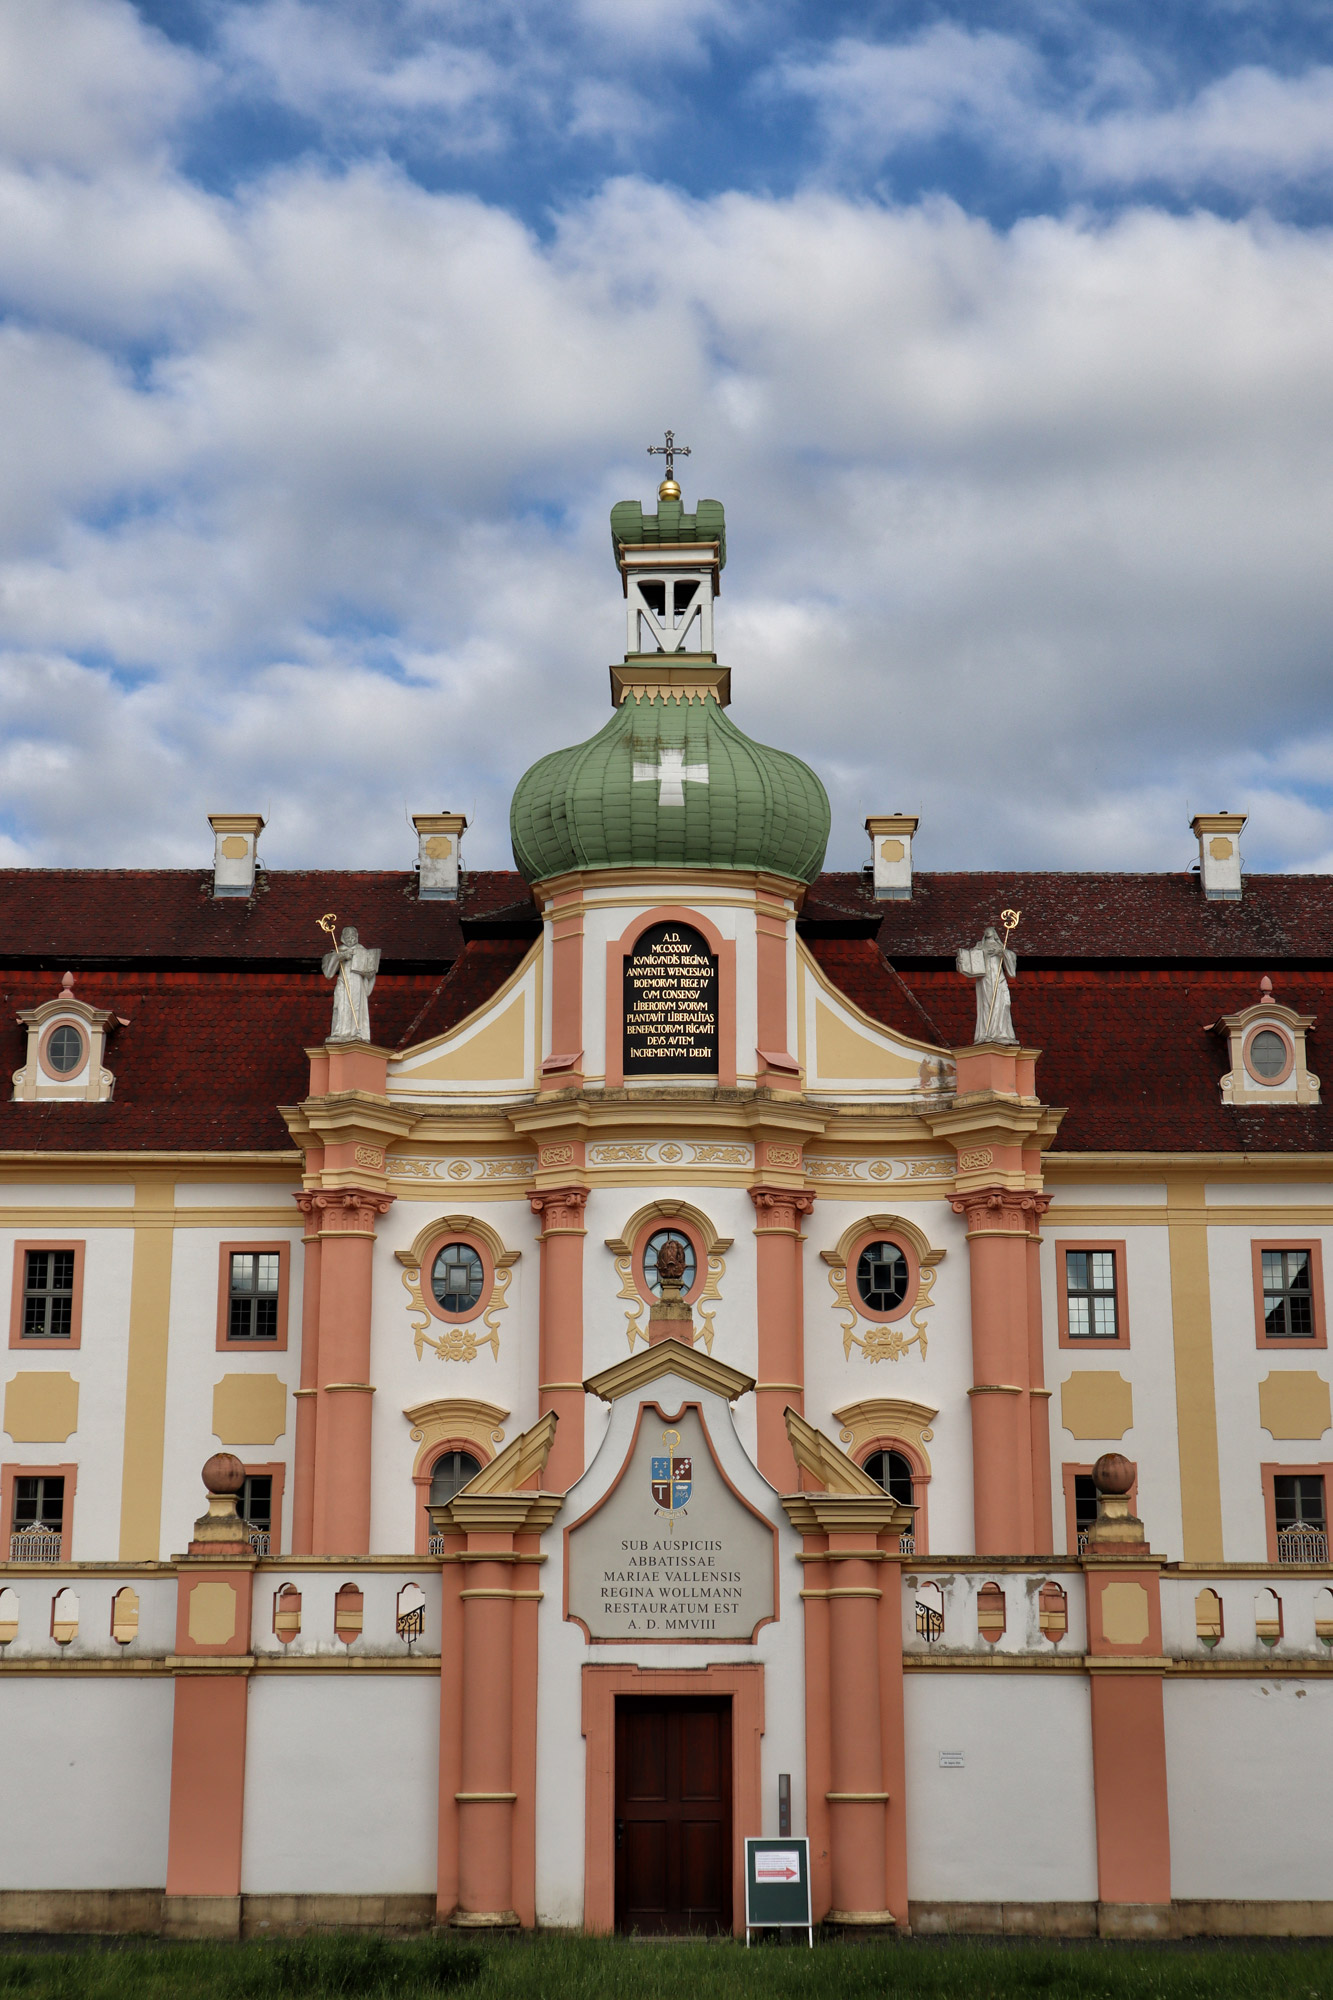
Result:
x=893 y=1470
x=450 y=1474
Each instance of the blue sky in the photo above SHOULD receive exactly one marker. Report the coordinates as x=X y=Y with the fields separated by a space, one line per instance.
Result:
x=329 y=333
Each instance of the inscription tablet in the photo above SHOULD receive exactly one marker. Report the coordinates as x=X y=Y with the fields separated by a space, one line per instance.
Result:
x=673 y=1552
x=671 y=1004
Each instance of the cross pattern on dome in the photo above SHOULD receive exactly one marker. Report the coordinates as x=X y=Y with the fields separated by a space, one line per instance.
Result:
x=672 y=773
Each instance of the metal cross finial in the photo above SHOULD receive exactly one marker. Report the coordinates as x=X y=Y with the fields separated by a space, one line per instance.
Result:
x=670 y=451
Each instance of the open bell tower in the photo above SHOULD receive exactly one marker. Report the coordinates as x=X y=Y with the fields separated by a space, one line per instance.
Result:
x=671 y=569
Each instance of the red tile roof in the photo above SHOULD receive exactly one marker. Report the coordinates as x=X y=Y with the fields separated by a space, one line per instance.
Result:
x=1119 y=976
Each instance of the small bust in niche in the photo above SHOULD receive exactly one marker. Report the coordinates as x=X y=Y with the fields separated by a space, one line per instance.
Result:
x=671 y=1268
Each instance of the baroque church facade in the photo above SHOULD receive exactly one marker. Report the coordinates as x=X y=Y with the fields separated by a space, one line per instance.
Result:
x=705 y=1348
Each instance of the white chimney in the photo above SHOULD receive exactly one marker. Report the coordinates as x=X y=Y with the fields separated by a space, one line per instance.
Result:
x=235 y=852
x=1219 y=854
x=891 y=854
x=439 y=836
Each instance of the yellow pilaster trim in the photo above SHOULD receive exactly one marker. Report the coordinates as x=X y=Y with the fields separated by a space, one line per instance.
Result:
x=146 y=1370
x=1196 y=1395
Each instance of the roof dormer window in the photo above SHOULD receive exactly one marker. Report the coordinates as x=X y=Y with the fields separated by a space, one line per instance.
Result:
x=66 y=1050
x=1267 y=1046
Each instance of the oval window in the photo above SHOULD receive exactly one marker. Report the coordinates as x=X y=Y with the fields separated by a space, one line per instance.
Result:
x=653 y=1249
x=450 y=1474
x=881 y=1277
x=64 y=1051
x=456 y=1278
x=1268 y=1054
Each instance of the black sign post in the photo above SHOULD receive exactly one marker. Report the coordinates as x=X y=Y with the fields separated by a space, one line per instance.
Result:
x=670 y=1004
x=777 y=1886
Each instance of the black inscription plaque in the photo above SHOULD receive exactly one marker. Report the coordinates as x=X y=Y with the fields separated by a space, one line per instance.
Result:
x=671 y=1004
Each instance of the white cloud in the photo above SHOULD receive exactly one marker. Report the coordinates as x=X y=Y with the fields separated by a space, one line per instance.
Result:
x=84 y=83
x=1250 y=131
x=1026 y=526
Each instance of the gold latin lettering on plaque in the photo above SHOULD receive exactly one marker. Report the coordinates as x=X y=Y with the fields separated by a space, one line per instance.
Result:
x=671 y=1004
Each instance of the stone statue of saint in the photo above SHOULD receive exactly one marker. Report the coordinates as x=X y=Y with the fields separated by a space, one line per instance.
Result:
x=352 y=967
x=988 y=962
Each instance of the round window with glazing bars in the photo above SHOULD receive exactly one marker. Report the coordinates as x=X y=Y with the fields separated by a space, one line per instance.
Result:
x=64 y=1051
x=882 y=1277
x=1268 y=1054
x=456 y=1278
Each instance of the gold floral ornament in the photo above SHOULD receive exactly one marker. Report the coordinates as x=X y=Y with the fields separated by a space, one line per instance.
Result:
x=715 y=1267
x=881 y=1340
x=457 y=1340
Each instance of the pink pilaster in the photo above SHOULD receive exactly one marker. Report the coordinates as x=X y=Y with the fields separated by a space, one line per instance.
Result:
x=560 y=1335
x=781 y=1383
x=347 y=1218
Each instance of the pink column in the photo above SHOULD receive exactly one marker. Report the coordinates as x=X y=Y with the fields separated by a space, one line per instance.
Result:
x=998 y=1223
x=1039 y=1397
x=856 y=1796
x=781 y=1384
x=486 y=1796
x=342 y=1446
x=307 y=1396
x=560 y=1337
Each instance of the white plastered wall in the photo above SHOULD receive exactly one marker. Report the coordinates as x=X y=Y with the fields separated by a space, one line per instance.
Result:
x=1247 y=1765
x=605 y=1327
x=98 y=1364
x=941 y=1379
x=88 y=1773
x=1147 y=1364
x=402 y=1381
x=341 y=1785
x=1015 y=1823
x=195 y=1365
x=1240 y=1365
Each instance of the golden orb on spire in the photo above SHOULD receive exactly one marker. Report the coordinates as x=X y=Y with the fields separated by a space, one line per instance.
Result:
x=669 y=490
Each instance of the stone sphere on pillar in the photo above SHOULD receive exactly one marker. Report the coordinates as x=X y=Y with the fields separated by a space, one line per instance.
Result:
x=223 y=1473
x=1113 y=1473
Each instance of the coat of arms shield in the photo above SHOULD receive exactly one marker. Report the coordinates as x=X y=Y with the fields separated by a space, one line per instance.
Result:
x=672 y=1477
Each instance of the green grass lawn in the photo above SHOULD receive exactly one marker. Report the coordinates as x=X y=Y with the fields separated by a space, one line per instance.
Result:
x=572 y=1968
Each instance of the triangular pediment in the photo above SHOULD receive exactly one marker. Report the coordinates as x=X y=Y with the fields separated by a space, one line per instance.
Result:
x=668 y=1357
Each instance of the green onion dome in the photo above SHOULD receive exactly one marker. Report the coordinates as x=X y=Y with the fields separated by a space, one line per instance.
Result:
x=669 y=783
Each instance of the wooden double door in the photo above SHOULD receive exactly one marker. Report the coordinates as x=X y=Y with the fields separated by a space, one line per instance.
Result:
x=673 y=1814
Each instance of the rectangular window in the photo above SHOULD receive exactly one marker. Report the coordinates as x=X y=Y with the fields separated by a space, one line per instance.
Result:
x=1288 y=1298
x=1090 y=1289
x=254 y=1295
x=1289 y=1294
x=47 y=1301
x=1296 y=1510
x=1091 y=1293
x=48 y=1295
x=256 y=1501
x=1298 y=1501
x=37 y=1503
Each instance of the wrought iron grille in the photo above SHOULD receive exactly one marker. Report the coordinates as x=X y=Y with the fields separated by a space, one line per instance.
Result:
x=929 y=1622
x=907 y=1545
x=35 y=1545
x=259 y=1541
x=1302 y=1544
x=436 y=1545
x=411 y=1624
x=1083 y=1541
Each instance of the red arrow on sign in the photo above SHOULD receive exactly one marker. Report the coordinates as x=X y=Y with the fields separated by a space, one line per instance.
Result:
x=776 y=1874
